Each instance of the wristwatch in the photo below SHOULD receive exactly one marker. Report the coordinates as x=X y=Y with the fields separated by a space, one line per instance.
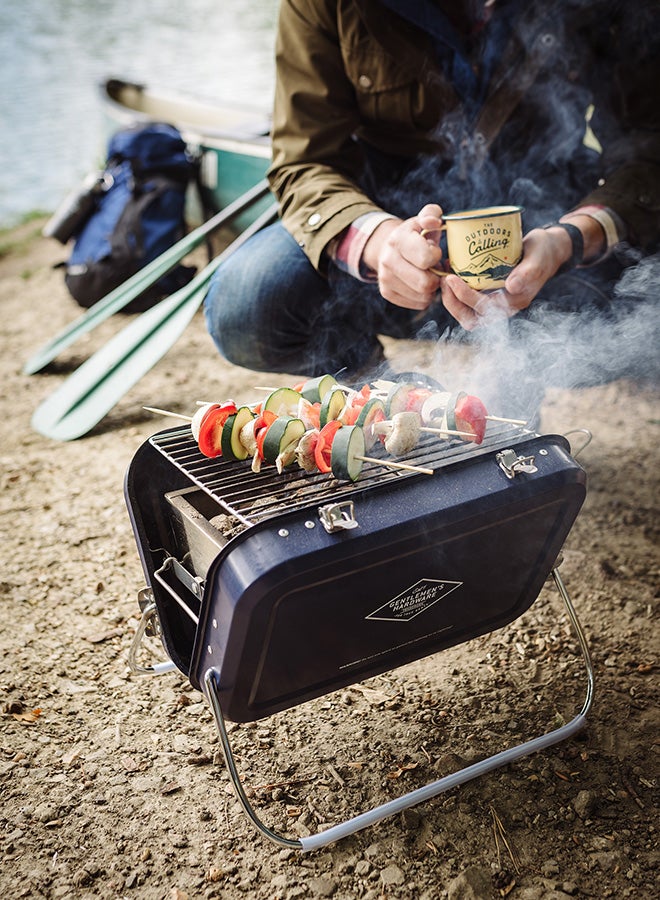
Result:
x=577 y=243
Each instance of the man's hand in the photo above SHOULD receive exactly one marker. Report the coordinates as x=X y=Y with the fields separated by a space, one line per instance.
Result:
x=402 y=258
x=544 y=251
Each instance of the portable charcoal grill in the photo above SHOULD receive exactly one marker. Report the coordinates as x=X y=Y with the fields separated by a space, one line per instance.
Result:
x=269 y=590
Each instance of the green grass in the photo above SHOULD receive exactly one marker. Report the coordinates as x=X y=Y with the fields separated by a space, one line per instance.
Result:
x=17 y=237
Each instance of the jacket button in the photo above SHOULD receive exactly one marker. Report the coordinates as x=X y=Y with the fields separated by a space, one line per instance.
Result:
x=364 y=81
x=314 y=219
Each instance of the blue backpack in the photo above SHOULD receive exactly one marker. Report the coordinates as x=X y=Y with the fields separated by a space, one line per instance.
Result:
x=132 y=212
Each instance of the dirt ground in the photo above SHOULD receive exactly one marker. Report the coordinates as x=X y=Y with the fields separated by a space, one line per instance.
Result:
x=113 y=785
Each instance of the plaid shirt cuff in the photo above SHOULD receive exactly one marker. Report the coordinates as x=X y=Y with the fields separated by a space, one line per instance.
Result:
x=346 y=250
x=613 y=227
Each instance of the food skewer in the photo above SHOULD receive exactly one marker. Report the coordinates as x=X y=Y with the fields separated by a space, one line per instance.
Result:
x=385 y=425
x=395 y=465
x=504 y=419
x=450 y=431
x=507 y=421
x=371 y=459
x=301 y=423
x=167 y=412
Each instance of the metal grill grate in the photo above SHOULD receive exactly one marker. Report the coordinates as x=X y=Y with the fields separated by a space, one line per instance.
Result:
x=252 y=497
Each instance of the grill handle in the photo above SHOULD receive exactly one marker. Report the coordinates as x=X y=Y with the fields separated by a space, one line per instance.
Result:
x=148 y=624
x=412 y=798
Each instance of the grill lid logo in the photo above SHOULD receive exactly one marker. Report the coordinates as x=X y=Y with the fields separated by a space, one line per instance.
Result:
x=414 y=600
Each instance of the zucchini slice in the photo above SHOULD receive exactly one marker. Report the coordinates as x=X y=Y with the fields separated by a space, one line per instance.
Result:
x=347 y=448
x=331 y=406
x=315 y=389
x=283 y=432
x=450 y=414
x=372 y=412
x=283 y=402
x=397 y=398
x=230 y=439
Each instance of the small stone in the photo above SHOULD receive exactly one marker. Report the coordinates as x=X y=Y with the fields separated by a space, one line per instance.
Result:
x=323 y=886
x=392 y=875
x=584 y=804
x=411 y=819
x=530 y=893
x=474 y=883
x=45 y=812
x=177 y=894
x=550 y=868
x=82 y=878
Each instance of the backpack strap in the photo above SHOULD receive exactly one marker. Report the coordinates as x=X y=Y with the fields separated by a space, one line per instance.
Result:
x=146 y=191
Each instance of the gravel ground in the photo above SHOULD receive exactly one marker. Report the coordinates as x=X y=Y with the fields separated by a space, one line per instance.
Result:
x=113 y=785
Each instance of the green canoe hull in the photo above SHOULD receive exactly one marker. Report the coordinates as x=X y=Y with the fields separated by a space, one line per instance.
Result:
x=233 y=143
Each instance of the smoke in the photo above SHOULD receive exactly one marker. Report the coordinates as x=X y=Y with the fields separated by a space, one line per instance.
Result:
x=511 y=362
x=592 y=326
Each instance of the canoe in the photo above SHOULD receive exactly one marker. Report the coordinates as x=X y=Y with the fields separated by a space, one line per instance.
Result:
x=233 y=142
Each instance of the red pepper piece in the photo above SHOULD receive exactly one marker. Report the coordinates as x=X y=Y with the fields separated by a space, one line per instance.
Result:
x=261 y=426
x=323 y=448
x=416 y=397
x=210 y=429
x=470 y=414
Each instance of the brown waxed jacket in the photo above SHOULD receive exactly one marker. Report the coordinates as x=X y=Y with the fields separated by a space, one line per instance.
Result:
x=350 y=72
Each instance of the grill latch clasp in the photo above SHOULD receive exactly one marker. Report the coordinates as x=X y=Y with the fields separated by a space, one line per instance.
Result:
x=337 y=516
x=193 y=583
x=511 y=464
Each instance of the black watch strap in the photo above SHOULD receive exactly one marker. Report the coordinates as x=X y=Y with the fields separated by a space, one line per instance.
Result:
x=577 y=242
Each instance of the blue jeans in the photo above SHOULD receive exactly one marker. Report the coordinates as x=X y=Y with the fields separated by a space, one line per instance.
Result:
x=268 y=309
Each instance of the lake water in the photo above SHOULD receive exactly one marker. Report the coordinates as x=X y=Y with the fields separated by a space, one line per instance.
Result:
x=54 y=54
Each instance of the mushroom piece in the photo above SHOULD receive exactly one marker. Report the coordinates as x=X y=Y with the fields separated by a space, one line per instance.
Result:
x=404 y=433
x=305 y=450
x=248 y=437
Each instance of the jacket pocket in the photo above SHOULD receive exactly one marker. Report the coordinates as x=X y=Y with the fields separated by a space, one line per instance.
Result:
x=384 y=91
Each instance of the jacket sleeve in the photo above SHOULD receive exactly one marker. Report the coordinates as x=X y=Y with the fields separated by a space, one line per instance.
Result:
x=315 y=157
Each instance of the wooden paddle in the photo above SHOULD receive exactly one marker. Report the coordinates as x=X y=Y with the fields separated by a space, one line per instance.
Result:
x=138 y=283
x=100 y=382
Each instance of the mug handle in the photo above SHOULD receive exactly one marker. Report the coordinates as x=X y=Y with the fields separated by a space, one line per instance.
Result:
x=440 y=272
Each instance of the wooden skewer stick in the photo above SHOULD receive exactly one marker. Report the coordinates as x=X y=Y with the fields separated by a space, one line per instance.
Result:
x=395 y=465
x=167 y=412
x=467 y=434
x=385 y=425
x=508 y=421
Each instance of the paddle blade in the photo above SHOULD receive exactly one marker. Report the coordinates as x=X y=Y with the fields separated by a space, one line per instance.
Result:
x=99 y=383
x=118 y=299
x=96 y=386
